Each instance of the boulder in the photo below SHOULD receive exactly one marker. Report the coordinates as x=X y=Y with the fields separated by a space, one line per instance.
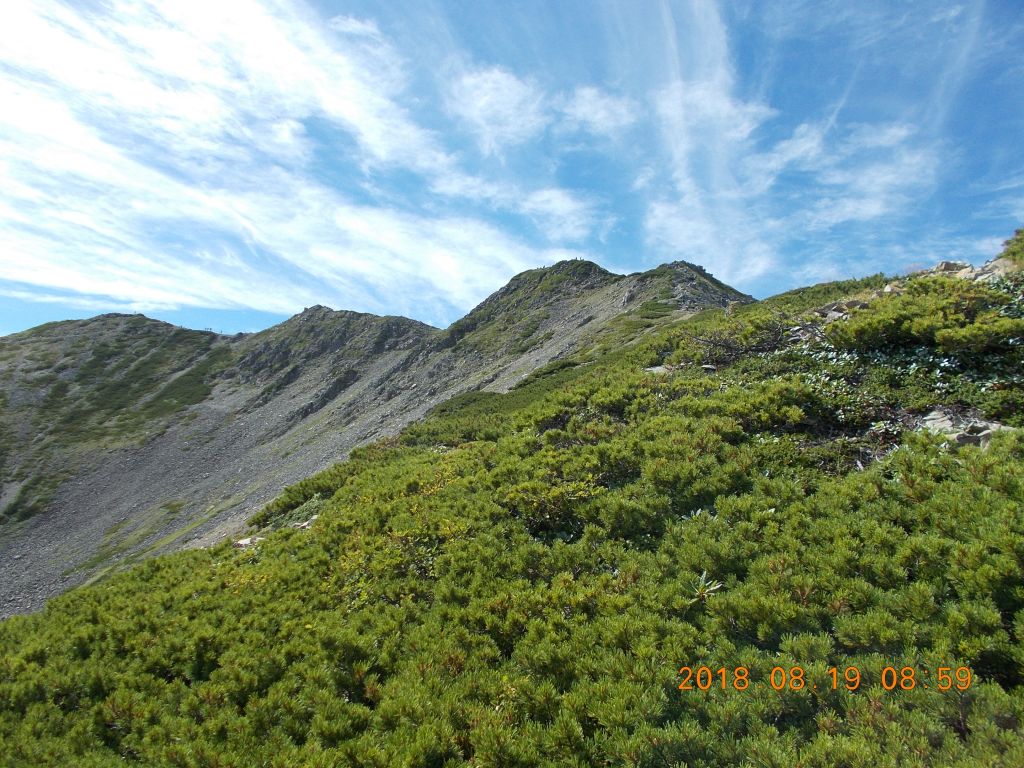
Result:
x=976 y=432
x=938 y=421
x=993 y=270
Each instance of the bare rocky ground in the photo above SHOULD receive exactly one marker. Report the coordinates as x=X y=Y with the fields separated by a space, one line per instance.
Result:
x=284 y=404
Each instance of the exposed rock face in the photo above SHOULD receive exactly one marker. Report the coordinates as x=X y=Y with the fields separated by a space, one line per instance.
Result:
x=122 y=436
x=961 y=431
x=991 y=270
x=938 y=421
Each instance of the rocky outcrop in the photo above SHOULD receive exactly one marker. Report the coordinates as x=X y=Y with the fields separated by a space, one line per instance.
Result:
x=986 y=273
x=959 y=430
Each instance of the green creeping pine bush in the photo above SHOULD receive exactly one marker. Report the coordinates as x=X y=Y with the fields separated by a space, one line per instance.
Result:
x=1013 y=249
x=517 y=580
x=947 y=314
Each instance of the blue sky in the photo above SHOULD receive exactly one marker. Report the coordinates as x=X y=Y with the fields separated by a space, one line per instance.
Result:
x=226 y=164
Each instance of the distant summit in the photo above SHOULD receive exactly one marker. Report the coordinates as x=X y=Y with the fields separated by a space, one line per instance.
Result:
x=554 y=300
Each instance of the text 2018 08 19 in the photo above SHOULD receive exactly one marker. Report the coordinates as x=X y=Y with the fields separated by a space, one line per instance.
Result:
x=796 y=678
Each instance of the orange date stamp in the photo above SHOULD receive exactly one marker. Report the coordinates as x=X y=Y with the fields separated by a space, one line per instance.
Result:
x=847 y=678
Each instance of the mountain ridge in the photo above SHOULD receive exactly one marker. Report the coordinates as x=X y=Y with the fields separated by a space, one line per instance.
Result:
x=110 y=423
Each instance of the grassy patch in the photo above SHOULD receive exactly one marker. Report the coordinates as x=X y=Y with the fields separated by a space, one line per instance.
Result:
x=126 y=535
x=33 y=497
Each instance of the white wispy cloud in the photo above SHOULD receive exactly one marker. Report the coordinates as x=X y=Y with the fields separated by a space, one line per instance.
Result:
x=707 y=131
x=600 y=113
x=744 y=195
x=85 y=303
x=411 y=261
x=562 y=215
x=265 y=154
x=353 y=26
x=500 y=109
x=160 y=156
x=196 y=78
x=860 y=190
x=803 y=150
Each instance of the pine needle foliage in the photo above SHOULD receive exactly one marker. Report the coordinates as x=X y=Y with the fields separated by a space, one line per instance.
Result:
x=516 y=580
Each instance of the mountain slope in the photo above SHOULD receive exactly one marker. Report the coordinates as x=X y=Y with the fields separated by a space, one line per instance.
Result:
x=519 y=578
x=67 y=384
x=124 y=436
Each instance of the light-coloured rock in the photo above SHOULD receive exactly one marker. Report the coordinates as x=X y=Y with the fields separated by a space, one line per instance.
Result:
x=976 y=432
x=972 y=436
x=993 y=270
x=249 y=541
x=938 y=421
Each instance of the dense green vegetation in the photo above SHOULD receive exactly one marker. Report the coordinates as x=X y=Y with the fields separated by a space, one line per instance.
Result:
x=949 y=316
x=517 y=580
x=1013 y=249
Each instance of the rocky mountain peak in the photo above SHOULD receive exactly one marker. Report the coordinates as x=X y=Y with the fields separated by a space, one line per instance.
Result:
x=570 y=275
x=316 y=309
